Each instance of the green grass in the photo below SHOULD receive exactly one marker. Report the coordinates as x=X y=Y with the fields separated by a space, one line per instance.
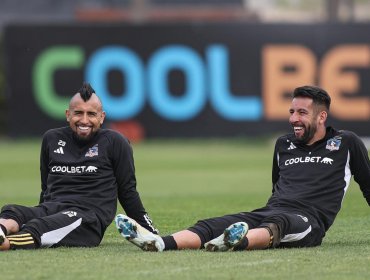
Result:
x=181 y=182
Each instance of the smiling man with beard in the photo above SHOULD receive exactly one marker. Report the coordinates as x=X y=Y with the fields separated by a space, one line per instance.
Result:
x=84 y=169
x=311 y=172
x=85 y=118
x=308 y=114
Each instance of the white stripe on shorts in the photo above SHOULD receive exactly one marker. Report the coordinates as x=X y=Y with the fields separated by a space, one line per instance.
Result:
x=53 y=237
x=296 y=236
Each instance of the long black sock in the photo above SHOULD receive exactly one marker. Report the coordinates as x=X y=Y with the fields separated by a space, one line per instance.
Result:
x=3 y=228
x=169 y=243
x=242 y=245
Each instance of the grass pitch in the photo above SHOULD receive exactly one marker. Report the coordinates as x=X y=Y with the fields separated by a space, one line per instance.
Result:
x=181 y=182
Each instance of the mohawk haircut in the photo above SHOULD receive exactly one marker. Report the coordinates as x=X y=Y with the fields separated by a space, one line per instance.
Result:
x=318 y=95
x=86 y=91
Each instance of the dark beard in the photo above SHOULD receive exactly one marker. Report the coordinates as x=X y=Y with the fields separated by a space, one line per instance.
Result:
x=83 y=140
x=309 y=132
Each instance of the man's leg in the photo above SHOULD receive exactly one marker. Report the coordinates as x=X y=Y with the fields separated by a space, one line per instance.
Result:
x=148 y=241
x=237 y=238
x=301 y=231
x=71 y=227
x=11 y=217
x=282 y=229
x=186 y=239
x=258 y=238
x=192 y=238
x=233 y=238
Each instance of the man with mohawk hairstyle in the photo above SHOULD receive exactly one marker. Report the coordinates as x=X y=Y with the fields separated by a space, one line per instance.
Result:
x=84 y=169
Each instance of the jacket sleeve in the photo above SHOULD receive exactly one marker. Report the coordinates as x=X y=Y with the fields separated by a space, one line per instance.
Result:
x=44 y=171
x=128 y=196
x=275 y=166
x=360 y=165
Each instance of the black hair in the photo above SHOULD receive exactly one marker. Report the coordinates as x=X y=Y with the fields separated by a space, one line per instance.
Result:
x=318 y=95
x=86 y=91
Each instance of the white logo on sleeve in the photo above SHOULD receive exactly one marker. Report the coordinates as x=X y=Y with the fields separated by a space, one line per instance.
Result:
x=292 y=146
x=59 y=151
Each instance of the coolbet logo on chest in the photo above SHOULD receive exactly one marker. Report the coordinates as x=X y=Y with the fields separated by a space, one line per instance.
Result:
x=296 y=160
x=74 y=169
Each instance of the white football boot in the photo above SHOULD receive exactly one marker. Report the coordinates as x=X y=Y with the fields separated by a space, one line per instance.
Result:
x=231 y=237
x=138 y=235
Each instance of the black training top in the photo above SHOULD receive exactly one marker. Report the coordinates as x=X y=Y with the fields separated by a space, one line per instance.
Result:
x=315 y=178
x=91 y=175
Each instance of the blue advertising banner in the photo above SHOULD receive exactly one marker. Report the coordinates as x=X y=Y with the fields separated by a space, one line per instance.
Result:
x=186 y=80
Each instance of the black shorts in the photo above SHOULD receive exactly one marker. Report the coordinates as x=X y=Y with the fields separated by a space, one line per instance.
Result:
x=297 y=228
x=57 y=224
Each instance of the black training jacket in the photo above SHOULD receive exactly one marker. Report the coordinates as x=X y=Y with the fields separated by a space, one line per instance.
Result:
x=315 y=178
x=91 y=175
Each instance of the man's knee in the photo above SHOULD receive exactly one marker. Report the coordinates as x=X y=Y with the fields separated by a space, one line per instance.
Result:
x=275 y=233
x=11 y=208
x=12 y=211
x=8 y=207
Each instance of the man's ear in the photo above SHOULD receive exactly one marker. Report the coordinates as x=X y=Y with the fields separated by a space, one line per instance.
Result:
x=67 y=115
x=102 y=117
x=323 y=116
